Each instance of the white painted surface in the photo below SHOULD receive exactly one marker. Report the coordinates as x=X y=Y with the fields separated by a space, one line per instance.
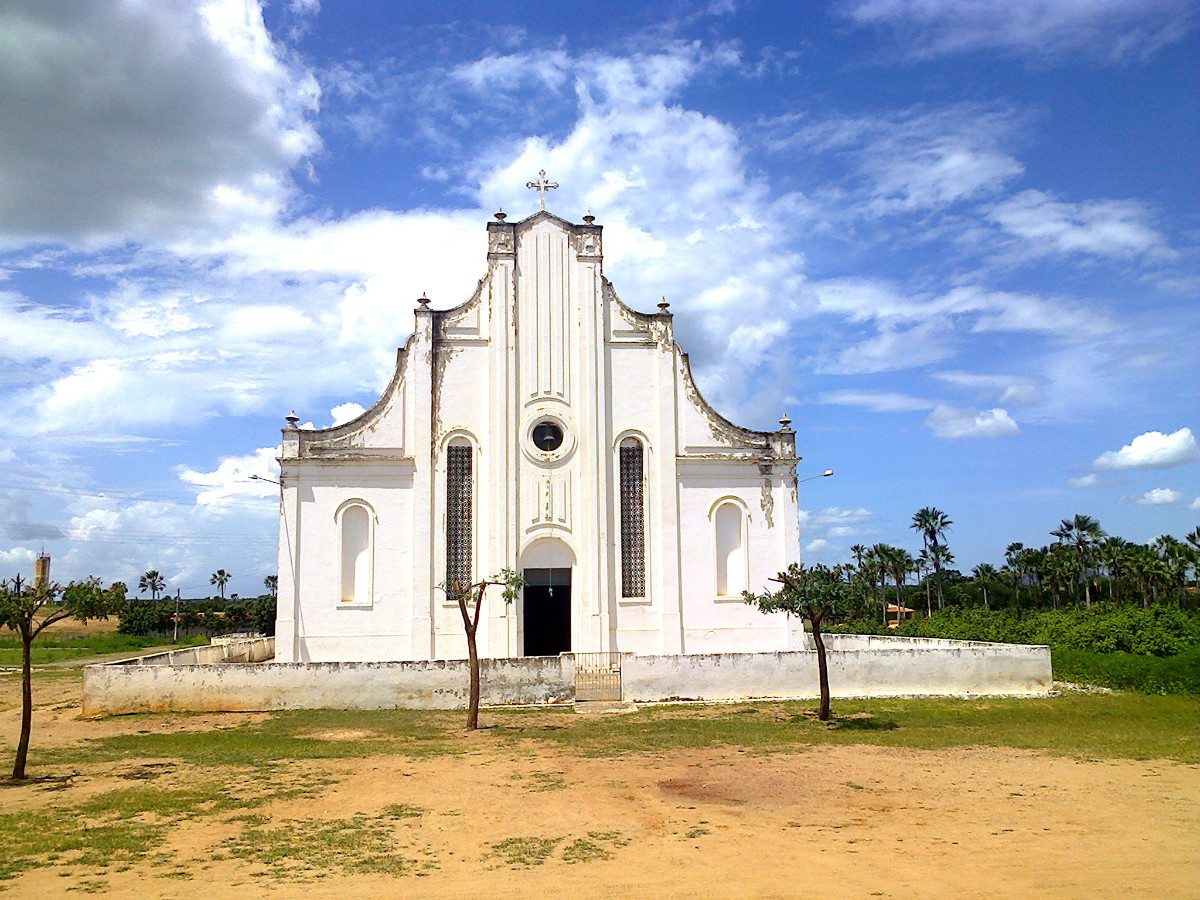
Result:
x=544 y=338
x=891 y=667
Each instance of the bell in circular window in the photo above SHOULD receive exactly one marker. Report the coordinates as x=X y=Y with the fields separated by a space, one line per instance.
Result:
x=547 y=436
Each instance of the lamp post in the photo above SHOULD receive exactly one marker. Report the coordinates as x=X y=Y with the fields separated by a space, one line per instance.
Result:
x=824 y=474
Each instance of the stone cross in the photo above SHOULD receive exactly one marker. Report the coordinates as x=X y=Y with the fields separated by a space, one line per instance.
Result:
x=541 y=186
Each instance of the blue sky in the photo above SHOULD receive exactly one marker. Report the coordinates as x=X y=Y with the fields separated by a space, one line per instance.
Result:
x=955 y=242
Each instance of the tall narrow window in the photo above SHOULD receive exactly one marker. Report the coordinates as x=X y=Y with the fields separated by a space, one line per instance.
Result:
x=633 y=519
x=356 y=554
x=459 y=517
x=731 y=553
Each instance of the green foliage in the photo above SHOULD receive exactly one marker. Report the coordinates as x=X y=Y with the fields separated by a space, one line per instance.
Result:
x=1179 y=674
x=262 y=614
x=813 y=592
x=55 y=647
x=1160 y=630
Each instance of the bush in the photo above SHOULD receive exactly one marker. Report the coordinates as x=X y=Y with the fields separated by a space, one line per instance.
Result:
x=1161 y=630
x=1178 y=674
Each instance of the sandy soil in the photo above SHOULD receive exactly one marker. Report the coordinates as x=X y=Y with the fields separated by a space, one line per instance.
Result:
x=836 y=821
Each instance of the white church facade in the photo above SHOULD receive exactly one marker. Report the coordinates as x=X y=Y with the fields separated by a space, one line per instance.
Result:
x=542 y=426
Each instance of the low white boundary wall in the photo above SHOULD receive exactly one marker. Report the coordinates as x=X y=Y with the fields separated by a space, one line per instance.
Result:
x=859 y=666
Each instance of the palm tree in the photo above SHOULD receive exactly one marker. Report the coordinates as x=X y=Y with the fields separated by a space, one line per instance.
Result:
x=1112 y=553
x=1014 y=555
x=933 y=524
x=153 y=582
x=1179 y=557
x=899 y=562
x=985 y=574
x=924 y=564
x=271 y=583
x=220 y=578
x=877 y=556
x=1080 y=532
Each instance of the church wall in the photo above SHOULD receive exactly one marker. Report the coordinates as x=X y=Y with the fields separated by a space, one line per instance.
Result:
x=380 y=626
x=712 y=623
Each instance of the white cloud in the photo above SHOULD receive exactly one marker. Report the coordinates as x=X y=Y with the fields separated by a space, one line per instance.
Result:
x=1152 y=450
x=18 y=559
x=876 y=401
x=344 y=412
x=1195 y=504
x=1011 y=390
x=909 y=160
x=1160 y=497
x=817 y=548
x=139 y=119
x=1085 y=481
x=1116 y=228
x=949 y=422
x=1108 y=30
x=236 y=478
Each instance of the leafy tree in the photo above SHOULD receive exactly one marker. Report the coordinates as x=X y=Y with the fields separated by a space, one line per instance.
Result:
x=985 y=574
x=153 y=582
x=220 y=578
x=933 y=524
x=814 y=593
x=1080 y=532
x=20 y=608
x=271 y=583
x=470 y=603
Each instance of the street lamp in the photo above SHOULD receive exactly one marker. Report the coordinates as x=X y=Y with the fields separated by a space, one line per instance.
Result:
x=273 y=481
x=824 y=474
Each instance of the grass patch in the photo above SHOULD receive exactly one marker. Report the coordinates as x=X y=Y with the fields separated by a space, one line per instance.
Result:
x=1128 y=726
x=51 y=647
x=522 y=852
x=289 y=735
x=303 y=849
x=28 y=838
x=597 y=845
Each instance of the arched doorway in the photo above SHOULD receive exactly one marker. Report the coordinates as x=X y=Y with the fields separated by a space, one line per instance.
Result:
x=545 y=612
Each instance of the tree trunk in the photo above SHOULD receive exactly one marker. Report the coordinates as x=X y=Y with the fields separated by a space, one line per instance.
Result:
x=470 y=624
x=822 y=668
x=18 y=772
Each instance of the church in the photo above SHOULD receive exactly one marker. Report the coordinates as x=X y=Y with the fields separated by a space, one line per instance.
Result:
x=543 y=426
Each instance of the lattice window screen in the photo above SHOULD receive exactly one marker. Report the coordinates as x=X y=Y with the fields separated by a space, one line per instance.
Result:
x=633 y=521
x=458 y=518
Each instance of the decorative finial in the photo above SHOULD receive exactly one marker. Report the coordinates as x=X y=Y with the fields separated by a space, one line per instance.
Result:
x=501 y=215
x=292 y=419
x=785 y=424
x=541 y=186
x=664 y=306
x=589 y=218
x=423 y=300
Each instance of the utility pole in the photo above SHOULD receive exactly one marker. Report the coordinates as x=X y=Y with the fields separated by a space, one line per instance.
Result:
x=175 y=639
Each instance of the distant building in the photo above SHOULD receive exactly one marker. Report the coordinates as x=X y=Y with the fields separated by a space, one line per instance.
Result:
x=544 y=426
x=41 y=571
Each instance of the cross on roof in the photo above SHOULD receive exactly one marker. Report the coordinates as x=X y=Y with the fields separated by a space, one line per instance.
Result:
x=541 y=186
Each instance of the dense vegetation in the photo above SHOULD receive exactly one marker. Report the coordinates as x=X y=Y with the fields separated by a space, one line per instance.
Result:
x=211 y=616
x=1114 y=613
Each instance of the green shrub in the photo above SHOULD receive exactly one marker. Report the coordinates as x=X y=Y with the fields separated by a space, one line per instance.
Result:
x=1178 y=674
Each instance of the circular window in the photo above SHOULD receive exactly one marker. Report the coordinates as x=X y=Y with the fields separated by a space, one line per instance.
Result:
x=547 y=436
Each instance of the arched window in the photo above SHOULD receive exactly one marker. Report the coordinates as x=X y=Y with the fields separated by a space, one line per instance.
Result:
x=633 y=519
x=355 y=527
x=459 y=516
x=731 y=550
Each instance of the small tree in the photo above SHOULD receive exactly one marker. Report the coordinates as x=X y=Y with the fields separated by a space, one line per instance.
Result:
x=220 y=578
x=470 y=602
x=19 y=610
x=153 y=582
x=271 y=583
x=814 y=593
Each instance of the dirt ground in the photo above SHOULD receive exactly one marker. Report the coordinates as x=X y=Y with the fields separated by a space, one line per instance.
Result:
x=501 y=821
